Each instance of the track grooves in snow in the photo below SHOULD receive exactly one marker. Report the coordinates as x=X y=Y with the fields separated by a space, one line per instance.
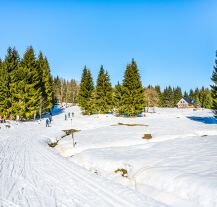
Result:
x=91 y=185
x=32 y=174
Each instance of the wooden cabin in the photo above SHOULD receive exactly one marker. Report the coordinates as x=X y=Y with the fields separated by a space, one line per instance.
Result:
x=186 y=103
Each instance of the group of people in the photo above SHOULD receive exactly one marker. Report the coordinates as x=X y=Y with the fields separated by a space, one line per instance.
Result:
x=49 y=119
x=67 y=116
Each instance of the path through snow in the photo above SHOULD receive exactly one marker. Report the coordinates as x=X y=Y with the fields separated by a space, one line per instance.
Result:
x=31 y=174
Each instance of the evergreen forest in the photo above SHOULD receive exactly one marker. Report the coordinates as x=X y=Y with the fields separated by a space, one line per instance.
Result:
x=27 y=90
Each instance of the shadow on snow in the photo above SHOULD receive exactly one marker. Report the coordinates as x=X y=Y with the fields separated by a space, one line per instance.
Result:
x=57 y=110
x=205 y=120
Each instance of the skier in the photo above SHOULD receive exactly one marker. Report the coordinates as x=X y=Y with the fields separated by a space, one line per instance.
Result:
x=65 y=117
x=50 y=118
x=47 y=122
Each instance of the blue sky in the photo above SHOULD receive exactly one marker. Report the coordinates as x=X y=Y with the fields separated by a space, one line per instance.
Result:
x=172 y=41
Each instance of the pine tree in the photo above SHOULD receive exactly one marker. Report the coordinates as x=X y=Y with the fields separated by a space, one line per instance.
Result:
x=191 y=94
x=58 y=89
x=133 y=98
x=82 y=95
x=177 y=95
x=197 y=102
x=32 y=92
x=214 y=87
x=168 y=97
x=11 y=64
x=185 y=94
x=89 y=90
x=207 y=99
x=48 y=85
x=118 y=99
x=157 y=88
x=86 y=92
x=103 y=99
x=202 y=96
x=20 y=93
x=21 y=84
x=3 y=88
x=46 y=99
x=197 y=95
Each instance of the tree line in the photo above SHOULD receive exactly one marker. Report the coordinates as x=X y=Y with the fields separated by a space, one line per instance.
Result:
x=169 y=97
x=129 y=97
x=27 y=89
x=126 y=97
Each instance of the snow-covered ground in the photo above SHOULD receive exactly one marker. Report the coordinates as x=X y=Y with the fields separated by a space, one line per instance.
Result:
x=177 y=167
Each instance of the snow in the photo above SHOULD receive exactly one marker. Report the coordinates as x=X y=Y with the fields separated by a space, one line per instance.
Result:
x=32 y=174
x=177 y=167
x=184 y=167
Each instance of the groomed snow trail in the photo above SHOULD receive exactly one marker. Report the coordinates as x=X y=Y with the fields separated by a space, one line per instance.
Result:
x=32 y=174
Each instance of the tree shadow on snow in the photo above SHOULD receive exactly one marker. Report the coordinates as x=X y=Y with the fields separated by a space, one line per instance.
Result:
x=205 y=120
x=57 y=110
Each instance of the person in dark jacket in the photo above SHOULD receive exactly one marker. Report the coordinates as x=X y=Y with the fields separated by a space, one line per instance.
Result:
x=47 y=122
x=50 y=118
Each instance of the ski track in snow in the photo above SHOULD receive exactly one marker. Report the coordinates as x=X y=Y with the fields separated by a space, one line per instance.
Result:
x=32 y=174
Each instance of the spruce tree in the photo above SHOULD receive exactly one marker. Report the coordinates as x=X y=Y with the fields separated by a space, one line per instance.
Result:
x=3 y=88
x=202 y=97
x=177 y=95
x=207 y=99
x=46 y=99
x=185 y=94
x=86 y=92
x=118 y=99
x=214 y=87
x=195 y=96
x=103 y=93
x=89 y=90
x=191 y=94
x=197 y=102
x=20 y=96
x=32 y=79
x=133 y=99
x=57 y=89
x=21 y=84
x=168 y=97
x=82 y=95
x=11 y=64
x=157 y=88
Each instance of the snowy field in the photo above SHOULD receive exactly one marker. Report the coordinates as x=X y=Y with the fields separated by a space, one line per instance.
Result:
x=111 y=164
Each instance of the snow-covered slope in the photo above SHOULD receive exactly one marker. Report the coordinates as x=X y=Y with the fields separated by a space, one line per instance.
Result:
x=185 y=167
x=32 y=174
x=177 y=167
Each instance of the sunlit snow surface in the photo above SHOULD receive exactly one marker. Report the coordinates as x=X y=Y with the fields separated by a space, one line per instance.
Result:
x=177 y=167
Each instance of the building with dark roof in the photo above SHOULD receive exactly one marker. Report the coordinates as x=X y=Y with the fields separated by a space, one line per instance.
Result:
x=186 y=103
